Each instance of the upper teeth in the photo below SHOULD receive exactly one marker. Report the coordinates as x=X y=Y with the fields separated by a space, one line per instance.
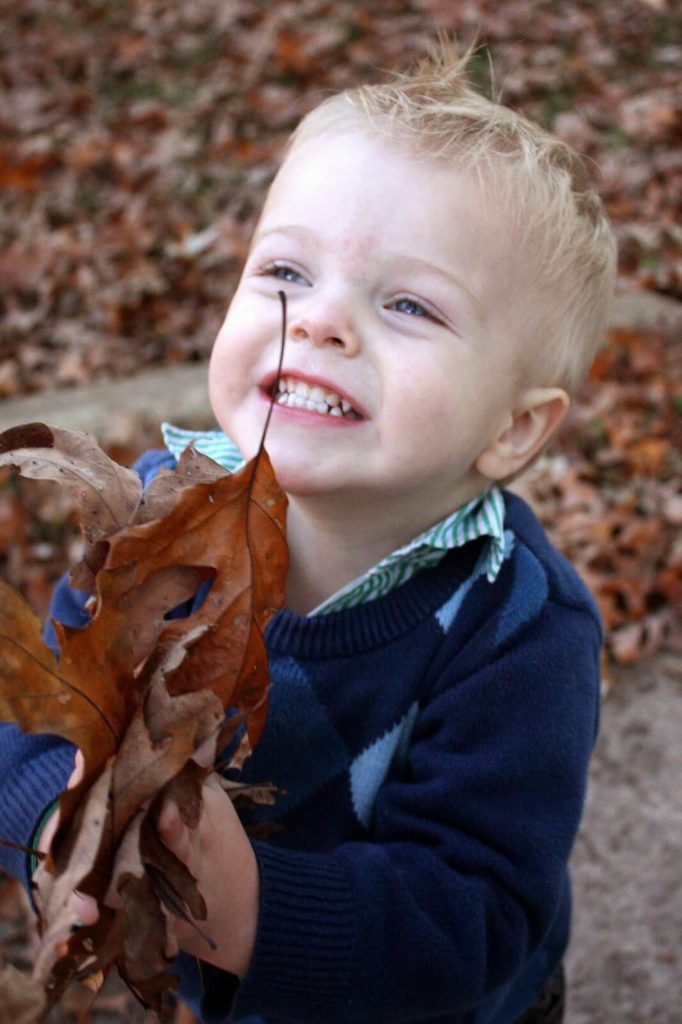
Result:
x=299 y=395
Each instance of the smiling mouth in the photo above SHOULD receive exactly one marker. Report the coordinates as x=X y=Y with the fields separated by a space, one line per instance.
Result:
x=296 y=394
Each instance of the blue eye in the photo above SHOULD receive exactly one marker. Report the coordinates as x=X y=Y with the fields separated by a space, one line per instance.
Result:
x=410 y=307
x=284 y=273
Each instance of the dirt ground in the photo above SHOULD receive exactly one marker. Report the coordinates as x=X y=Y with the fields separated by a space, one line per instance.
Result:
x=625 y=960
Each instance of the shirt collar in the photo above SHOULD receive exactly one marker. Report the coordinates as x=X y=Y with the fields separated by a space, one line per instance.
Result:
x=214 y=443
x=481 y=517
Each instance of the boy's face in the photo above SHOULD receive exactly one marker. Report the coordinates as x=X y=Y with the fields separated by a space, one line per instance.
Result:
x=396 y=273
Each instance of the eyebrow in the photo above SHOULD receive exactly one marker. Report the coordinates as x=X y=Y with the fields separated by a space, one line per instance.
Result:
x=476 y=303
x=283 y=229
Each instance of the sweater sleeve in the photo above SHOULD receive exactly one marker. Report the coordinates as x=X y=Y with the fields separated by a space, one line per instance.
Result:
x=464 y=871
x=34 y=771
x=35 y=768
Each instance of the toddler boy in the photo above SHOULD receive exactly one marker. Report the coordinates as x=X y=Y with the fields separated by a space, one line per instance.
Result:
x=436 y=671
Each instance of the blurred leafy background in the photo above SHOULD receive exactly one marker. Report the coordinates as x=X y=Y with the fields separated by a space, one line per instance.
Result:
x=137 y=139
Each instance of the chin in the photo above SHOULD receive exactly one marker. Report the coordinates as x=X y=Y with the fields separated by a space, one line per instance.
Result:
x=301 y=480
x=298 y=484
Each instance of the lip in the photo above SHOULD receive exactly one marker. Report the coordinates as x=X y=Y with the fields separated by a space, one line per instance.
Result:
x=268 y=381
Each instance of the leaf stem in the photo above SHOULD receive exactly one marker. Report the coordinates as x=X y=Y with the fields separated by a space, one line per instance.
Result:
x=283 y=300
x=38 y=854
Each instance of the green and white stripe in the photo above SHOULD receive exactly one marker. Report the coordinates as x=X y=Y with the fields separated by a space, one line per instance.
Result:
x=213 y=443
x=482 y=517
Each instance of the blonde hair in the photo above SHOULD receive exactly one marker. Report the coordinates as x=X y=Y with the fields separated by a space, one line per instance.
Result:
x=434 y=112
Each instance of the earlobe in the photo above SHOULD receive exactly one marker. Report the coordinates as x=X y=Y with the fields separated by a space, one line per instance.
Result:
x=526 y=431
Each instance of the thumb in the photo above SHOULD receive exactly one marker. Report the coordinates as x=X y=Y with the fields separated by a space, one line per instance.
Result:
x=172 y=830
x=78 y=771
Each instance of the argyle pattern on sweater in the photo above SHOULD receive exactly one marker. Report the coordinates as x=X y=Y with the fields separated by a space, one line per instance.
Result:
x=354 y=750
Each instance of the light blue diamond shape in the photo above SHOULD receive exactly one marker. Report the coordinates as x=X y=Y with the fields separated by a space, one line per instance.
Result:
x=370 y=768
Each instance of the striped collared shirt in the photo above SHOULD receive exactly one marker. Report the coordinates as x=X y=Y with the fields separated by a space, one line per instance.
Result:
x=482 y=517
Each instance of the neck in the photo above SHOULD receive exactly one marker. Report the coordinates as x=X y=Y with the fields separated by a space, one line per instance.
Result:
x=332 y=542
x=325 y=553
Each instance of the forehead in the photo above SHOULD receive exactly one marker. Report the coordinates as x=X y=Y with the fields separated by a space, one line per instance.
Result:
x=376 y=213
x=357 y=187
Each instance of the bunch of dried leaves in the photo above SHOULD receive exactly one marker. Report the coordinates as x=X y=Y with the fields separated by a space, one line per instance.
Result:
x=140 y=694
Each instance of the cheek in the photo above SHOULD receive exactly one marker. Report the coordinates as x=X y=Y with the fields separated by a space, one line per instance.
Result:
x=226 y=381
x=231 y=354
x=219 y=377
x=422 y=401
x=439 y=419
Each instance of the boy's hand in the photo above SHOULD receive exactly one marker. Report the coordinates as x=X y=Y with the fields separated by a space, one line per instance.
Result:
x=220 y=856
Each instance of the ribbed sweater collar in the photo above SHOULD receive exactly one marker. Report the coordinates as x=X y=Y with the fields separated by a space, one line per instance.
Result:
x=354 y=630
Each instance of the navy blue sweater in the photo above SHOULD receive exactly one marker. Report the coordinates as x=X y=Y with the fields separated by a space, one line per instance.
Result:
x=433 y=746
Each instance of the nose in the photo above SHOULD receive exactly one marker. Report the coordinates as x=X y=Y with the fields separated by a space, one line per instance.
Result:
x=324 y=323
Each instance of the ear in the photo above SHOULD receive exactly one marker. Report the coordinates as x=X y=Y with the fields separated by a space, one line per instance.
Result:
x=531 y=424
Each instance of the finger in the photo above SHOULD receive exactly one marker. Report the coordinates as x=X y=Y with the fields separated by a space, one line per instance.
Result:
x=170 y=825
x=48 y=831
x=173 y=831
x=78 y=771
x=85 y=907
x=205 y=755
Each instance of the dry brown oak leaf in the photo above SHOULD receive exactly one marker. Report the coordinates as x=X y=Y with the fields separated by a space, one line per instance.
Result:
x=138 y=693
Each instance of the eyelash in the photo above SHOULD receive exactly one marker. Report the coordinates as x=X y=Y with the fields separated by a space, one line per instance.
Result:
x=274 y=269
x=415 y=305
x=425 y=312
